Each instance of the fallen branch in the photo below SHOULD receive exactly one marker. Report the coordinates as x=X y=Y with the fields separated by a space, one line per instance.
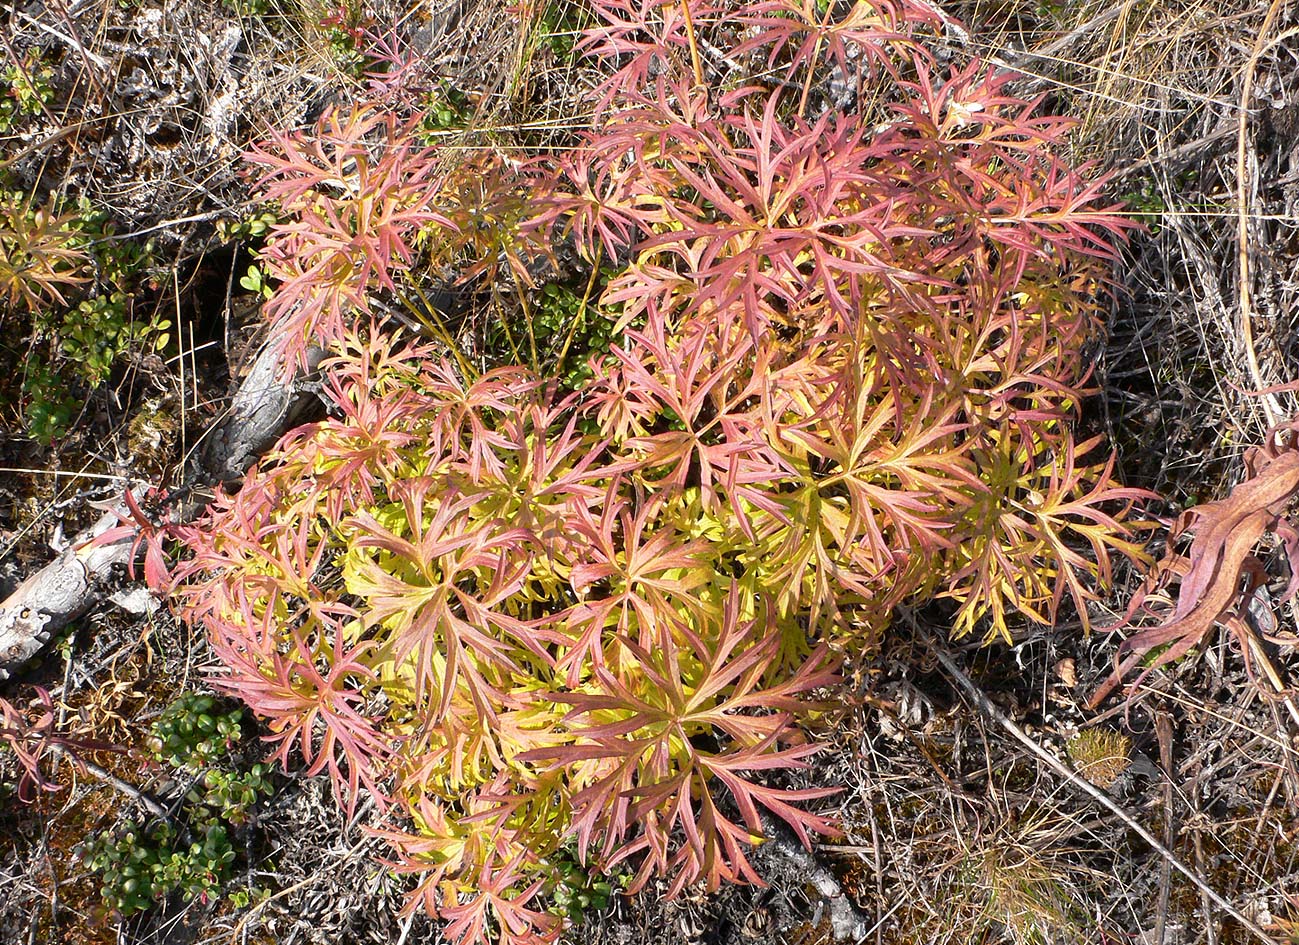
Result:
x=263 y=408
x=847 y=923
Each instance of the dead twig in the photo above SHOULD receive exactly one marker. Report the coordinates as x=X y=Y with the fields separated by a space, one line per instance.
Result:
x=1164 y=732
x=847 y=924
x=126 y=789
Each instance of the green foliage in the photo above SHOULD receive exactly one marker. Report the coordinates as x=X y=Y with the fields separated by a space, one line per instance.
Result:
x=193 y=732
x=577 y=890
x=25 y=90
x=142 y=864
x=94 y=334
x=570 y=328
x=834 y=370
x=447 y=108
x=560 y=26
x=74 y=342
x=49 y=409
x=253 y=226
x=254 y=280
x=1145 y=203
x=247 y=9
x=229 y=796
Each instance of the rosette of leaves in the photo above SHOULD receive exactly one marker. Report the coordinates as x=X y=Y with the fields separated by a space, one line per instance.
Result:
x=844 y=357
x=553 y=652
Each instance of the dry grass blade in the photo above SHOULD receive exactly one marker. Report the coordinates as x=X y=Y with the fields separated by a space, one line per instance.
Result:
x=1242 y=210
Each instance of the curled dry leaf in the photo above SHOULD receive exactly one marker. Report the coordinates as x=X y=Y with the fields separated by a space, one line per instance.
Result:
x=1218 y=575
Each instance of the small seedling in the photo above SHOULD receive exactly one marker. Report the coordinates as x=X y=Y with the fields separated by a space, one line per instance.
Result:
x=579 y=890
x=254 y=280
x=252 y=227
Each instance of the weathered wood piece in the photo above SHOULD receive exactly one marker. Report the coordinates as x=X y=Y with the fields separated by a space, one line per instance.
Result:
x=847 y=923
x=263 y=408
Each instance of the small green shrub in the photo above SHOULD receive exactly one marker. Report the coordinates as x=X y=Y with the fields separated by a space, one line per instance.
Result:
x=253 y=226
x=140 y=865
x=447 y=108
x=560 y=27
x=25 y=90
x=193 y=732
x=74 y=341
x=229 y=796
x=48 y=408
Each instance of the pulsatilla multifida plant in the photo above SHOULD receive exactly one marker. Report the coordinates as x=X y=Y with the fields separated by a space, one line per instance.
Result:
x=849 y=345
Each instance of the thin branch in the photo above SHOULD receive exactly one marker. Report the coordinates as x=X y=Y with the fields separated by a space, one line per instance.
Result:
x=145 y=800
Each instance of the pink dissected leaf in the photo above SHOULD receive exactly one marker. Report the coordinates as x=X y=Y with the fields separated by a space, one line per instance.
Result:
x=880 y=31
x=749 y=796
x=699 y=379
x=601 y=206
x=617 y=185
x=32 y=739
x=144 y=532
x=648 y=572
x=497 y=910
x=318 y=710
x=652 y=773
x=644 y=38
x=463 y=413
x=1072 y=506
x=28 y=741
x=396 y=72
x=548 y=468
x=355 y=192
x=802 y=210
x=452 y=575
x=996 y=161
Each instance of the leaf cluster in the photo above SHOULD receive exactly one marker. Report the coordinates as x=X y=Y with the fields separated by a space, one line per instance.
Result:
x=142 y=866
x=73 y=285
x=26 y=90
x=192 y=855
x=843 y=354
x=192 y=732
